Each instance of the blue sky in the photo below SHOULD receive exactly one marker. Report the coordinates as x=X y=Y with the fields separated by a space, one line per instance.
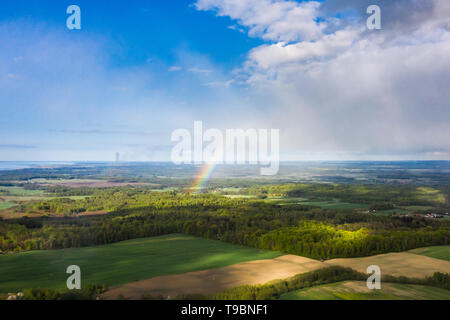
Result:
x=140 y=69
x=142 y=29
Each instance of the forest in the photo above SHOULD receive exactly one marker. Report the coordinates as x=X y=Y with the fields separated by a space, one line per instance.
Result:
x=297 y=229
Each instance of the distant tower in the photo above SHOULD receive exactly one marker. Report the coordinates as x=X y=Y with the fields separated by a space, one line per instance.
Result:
x=117 y=157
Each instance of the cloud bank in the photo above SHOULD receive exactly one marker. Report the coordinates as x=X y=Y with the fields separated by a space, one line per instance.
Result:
x=339 y=90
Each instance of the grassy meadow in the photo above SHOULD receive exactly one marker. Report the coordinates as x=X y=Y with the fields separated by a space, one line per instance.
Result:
x=357 y=290
x=324 y=204
x=438 y=252
x=122 y=262
x=6 y=205
x=20 y=192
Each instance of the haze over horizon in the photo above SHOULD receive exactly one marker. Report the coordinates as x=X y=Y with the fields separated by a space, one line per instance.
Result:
x=137 y=71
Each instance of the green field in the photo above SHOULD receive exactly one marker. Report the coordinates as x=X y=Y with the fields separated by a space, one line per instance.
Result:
x=18 y=191
x=63 y=181
x=6 y=205
x=21 y=194
x=286 y=199
x=438 y=252
x=336 y=204
x=325 y=204
x=70 y=197
x=164 y=190
x=357 y=290
x=122 y=262
x=239 y=196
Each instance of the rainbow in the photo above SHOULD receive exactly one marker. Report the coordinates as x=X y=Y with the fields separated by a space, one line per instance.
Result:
x=203 y=177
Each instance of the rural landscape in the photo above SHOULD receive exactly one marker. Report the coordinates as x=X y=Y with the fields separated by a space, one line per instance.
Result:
x=224 y=159
x=147 y=231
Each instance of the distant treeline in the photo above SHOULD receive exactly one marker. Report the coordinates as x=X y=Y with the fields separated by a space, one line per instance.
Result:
x=375 y=197
x=382 y=196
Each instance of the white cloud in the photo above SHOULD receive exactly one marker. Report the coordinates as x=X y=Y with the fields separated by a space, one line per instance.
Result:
x=224 y=84
x=271 y=19
x=236 y=28
x=199 y=70
x=345 y=91
x=267 y=56
x=174 y=68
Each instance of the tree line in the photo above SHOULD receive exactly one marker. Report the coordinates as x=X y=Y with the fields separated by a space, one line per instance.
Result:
x=301 y=230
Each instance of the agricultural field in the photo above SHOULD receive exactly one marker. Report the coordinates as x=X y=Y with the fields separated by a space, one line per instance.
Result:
x=20 y=192
x=438 y=252
x=164 y=190
x=6 y=205
x=325 y=204
x=238 y=196
x=397 y=264
x=333 y=204
x=122 y=262
x=213 y=281
x=259 y=272
x=230 y=233
x=86 y=183
x=180 y=264
x=60 y=181
x=357 y=290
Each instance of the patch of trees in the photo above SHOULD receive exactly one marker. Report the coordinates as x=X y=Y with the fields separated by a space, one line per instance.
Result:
x=90 y=292
x=274 y=289
x=59 y=191
x=438 y=279
x=111 y=199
